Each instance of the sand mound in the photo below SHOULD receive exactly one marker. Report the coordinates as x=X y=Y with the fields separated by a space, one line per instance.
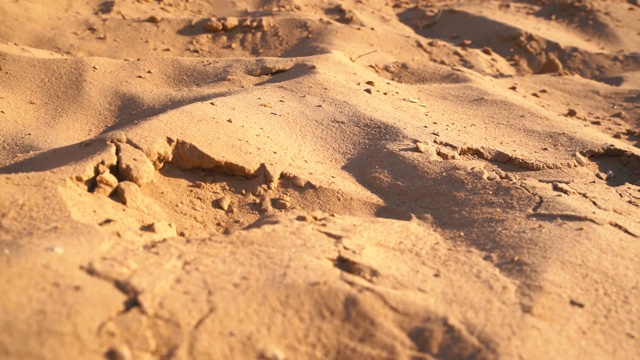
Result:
x=305 y=179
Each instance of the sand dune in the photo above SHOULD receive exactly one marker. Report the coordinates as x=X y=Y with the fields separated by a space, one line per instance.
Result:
x=319 y=179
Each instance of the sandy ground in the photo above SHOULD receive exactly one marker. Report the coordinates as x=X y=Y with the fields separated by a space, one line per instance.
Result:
x=367 y=179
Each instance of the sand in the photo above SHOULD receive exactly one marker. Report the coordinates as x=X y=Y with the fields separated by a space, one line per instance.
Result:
x=290 y=179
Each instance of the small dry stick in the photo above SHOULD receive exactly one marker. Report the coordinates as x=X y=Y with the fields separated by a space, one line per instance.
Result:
x=365 y=54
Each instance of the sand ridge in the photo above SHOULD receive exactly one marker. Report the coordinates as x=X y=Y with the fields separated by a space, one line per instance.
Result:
x=319 y=179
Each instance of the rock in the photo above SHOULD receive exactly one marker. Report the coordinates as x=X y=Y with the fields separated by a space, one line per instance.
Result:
x=572 y=113
x=427 y=149
x=601 y=176
x=282 y=203
x=223 y=203
x=581 y=160
x=129 y=193
x=447 y=154
x=270 y=175
x=120 y=352
x=56 y=250
x=102 y=169
x=304 y=218
x=465 y=43
x=298 y=182
x=620 y=115
x=265 y=206
x=271 y=354
x=286 y=175
x=134 y=165
x=106 y=184
x=212 y=26
x=563 y=188
x=552 y=65
x=230 y=23
x=265 y=24
x=153 y=19
x=499 y=156
x=164 y=229
x=232 y=209
x=487 y=51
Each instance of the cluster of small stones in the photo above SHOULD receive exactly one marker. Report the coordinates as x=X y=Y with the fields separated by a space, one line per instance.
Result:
x=134 y=170
x=215 y=25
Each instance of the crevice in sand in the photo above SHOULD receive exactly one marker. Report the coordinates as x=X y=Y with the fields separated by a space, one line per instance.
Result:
x=623 y=229
x=193 y=332
x=356 y=268
x=123 y=286
x=436 y=335
x=564 y=217
x=550 y=216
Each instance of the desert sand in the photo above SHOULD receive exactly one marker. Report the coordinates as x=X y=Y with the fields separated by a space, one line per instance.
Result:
x=312 y=179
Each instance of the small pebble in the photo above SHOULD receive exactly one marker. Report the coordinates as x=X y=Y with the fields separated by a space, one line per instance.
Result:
x=224 y=202
x=282 y=203
x=153 y=19
x=56 y=250
x=552 y=65
x=265 y=206
x=120 y=352
x=163 y=228
x=129 y=193
x=581 y=160
x=212 y=26
x=298 y=182
x=620 y=115
x=230 y=23
x=107 y=182
x=271 y=354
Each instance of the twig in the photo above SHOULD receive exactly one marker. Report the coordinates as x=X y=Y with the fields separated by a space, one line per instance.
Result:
x=359 y=56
